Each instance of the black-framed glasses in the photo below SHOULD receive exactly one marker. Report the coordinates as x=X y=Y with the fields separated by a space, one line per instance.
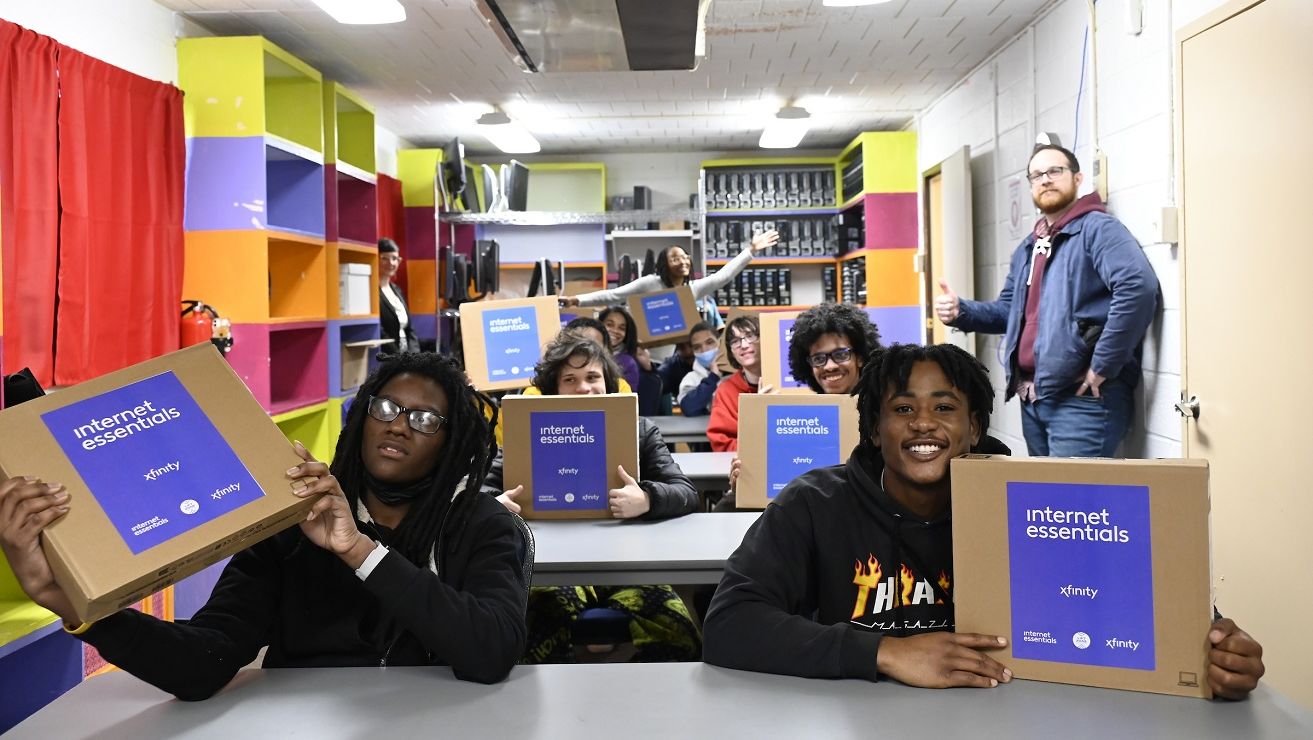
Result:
x=1052 y=173
x=387 y=410
x=745 y=340
x=840 y=356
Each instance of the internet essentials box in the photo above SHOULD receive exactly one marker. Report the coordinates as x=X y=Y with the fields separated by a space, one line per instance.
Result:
x=564 y=451
x=665 y=316
x=171 y=464
x=781 y=437
x=505 y=339
x=776 y=332
x=1096 y=571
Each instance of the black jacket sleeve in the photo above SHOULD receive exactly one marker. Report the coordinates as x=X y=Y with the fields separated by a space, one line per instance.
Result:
x=478 y=629
x=193 y=659
x=670 y=491
x=760 y=618
x=492 y=483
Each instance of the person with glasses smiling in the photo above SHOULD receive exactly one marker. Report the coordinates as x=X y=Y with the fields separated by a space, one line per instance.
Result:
x=743 y=338
x=1077 y=302
x=829 y=346
x=402 y=561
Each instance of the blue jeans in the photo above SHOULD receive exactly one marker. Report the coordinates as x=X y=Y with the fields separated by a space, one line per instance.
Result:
x=1079 y=426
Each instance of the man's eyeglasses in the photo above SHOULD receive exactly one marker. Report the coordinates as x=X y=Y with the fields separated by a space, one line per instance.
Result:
x=840 y=356
x=744 y=340
x=1052 y=173
x=424 y=422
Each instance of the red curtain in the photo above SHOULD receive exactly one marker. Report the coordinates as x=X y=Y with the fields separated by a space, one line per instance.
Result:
x=29 y=197
x=121 y=163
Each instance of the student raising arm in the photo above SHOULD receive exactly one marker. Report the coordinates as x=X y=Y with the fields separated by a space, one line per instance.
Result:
x=401 y=562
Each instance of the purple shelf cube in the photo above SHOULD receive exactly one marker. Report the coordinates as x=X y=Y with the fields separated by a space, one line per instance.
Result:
x=339 y=333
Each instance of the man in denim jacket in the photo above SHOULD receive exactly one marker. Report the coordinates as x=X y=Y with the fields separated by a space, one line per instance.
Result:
x=1079 y=297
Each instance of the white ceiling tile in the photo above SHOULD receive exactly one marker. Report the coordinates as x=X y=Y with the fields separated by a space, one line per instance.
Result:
x=875 y=64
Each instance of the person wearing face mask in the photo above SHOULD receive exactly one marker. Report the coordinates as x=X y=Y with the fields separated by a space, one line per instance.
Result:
x=674 y=268
x=698 y=387
x=660 y=624
x=402 y=561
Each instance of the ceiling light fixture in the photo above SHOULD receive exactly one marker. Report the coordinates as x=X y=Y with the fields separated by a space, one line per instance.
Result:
x=509 y=136
x=786 y=129
x=363 y=12
x=850 y=3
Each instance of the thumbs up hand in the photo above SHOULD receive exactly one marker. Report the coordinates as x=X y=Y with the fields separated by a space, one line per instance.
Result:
x=947 y=305
x=629 y=501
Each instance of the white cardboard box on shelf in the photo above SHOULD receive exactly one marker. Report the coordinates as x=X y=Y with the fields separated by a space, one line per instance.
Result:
x=353 y=287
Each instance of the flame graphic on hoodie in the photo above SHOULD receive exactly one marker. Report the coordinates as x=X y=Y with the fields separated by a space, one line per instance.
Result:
x=866 y=578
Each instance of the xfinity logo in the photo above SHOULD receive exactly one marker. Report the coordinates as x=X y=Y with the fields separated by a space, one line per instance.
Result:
x=1116 y=644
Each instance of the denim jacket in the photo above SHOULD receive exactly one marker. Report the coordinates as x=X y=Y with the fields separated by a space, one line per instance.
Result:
x=1100 y=295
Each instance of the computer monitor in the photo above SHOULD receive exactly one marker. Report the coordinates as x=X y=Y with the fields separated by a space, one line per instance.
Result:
x=453 y=172
x=471 y=198
x=453 y=284
x=492 y=195
x=515 y=185
x=487 y=266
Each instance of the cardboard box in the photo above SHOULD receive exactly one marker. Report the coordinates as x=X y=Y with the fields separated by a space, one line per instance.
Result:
x=783 y=436
x=172 y=465
x=353 y=288
x=1097 y=571
x=664 y=316
x=564 y=450
x=504 y=339
x=776 y=331
x=355 y=361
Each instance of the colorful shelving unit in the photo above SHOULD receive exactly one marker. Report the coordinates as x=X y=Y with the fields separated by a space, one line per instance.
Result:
x=874 y=209
x=255 y=214
x=417 y=170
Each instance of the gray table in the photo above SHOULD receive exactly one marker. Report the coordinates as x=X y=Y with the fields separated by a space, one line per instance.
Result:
x=610 y=552
x=682 y=428
x=637 y=701
x=709 y=471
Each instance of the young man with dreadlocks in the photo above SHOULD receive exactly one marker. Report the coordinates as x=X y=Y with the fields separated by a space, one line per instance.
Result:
x=401 y=562
x=849 y=573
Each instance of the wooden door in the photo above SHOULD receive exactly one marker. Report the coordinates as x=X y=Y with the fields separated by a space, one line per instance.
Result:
x=1244 y=122
x=948 y=239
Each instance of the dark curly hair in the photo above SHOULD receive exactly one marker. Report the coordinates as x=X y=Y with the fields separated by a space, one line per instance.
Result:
x=744 y=325
x=587 y=322
x=578 y=352
x=663 y=266
x=892 y=367
x=843 y=319
x=630 y=343
x=462 y=461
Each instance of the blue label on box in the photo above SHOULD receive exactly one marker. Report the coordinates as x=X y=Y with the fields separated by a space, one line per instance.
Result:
x=510 y=342
x=152 y=459
x=567 y=450
x=786 y=375
x=799 y=438
x=664 y=315
x=1082 y=574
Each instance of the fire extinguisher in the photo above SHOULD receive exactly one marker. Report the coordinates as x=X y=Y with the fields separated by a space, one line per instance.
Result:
x=201 y=323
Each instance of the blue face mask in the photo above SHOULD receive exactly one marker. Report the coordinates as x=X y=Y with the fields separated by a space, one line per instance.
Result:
x=705 y=359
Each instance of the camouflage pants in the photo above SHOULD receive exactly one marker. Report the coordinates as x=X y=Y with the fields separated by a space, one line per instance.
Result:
x=660 y=626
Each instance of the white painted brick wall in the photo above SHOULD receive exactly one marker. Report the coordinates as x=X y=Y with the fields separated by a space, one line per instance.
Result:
x=1038 y=75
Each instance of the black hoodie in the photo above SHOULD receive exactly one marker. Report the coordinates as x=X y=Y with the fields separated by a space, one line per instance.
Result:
x=832 y=565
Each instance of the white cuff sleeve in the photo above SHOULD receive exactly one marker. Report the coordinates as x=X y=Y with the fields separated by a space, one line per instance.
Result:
x=371 y=561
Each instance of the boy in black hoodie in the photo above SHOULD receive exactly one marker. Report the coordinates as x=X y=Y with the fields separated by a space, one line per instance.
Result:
x=848 y=574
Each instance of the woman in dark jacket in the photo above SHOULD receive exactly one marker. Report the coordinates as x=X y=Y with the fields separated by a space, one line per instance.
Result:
x=400 y=562
x=393 y=312
x=659 y=623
